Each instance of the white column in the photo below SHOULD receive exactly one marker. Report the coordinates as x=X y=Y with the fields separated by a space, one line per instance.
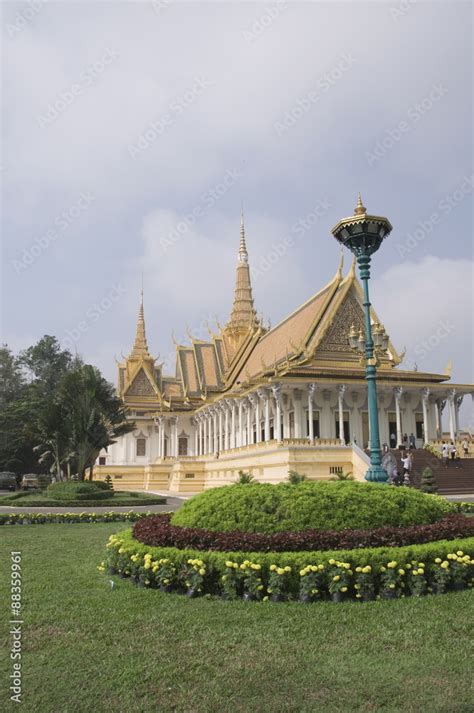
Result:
x=199 y=449
x=233 y=439
x=424 y=401
x=249 y=439
x=398 y=395
x=452 y=420
x=215 y=442
x=439 y=430
x=175 y=429
x=226 y=425
x=341 y=391
x=219 y=439
x=277 y=418
x=298 y=413
x=263 y=393
x=196 y=437
x=311 y=390
x=240 y=439
x=163 y=426
x=255 y=400
x=457 y=405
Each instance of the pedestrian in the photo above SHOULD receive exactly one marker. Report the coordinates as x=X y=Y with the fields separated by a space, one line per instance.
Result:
x=457 y=458
x=393 y=440
x=405 y=442
x=452 y=450
x=465 y=447
x=385 y=448
x=406 y=468
x=412 y=440
x=444 y=453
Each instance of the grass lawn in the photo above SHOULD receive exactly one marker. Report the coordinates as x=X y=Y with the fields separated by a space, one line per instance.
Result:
x=122 y=498
x=89 y=648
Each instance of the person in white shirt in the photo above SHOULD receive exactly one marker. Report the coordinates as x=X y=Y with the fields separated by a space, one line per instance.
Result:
x=444 y=453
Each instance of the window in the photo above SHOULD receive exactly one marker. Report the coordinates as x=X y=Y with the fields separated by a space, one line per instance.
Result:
x=102 y=460
x=141 y=446
x=419 y=425
x=291 y=424
x=335 y=470
x=189 y=475
x=183 y=446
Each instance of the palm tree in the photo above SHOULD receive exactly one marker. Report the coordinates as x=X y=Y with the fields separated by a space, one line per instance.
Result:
x=95 y=415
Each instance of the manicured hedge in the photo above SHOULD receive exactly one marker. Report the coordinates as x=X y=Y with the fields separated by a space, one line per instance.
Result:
x=320 y=505
x=254 y=573
x=83 y=490
x=34 y=518
x=157 y=531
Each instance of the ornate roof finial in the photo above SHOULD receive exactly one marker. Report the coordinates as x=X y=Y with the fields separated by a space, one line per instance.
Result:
x=360 y=208
x=140 y=347
x=243 y=254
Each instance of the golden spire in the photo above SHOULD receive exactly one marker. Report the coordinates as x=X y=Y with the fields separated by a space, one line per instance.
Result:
x=243 y=254
x=360 y=209
x=243 y=313
x=140 y=347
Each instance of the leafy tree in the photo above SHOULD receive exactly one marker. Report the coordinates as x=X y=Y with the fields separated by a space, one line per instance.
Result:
x=95 y=416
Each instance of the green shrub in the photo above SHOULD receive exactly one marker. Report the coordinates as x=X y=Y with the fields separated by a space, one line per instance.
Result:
x=245 y=478
x=74 y=490
x=318 y=505
x=296 y=478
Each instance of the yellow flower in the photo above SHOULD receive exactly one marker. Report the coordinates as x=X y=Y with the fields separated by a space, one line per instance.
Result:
x=336 y=578
x=391 y=586
x=460 y=553
x=438 y=560
x=343 y=589
x=228 y=563
x=367 y=569
x=202 y=572
x=358 y=569
x=401 y=572
x=392 y=565
x=331 y=561
x=265 y=599
x=280 y=570
x=444 y=564
x=287 y=569
x=273 y=567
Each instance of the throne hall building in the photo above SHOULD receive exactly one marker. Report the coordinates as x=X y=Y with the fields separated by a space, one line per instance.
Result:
x=267 y=401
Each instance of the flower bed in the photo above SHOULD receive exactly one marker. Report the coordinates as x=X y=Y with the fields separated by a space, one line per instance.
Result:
x=29 y=518
x=158 y=531
x=359 y=574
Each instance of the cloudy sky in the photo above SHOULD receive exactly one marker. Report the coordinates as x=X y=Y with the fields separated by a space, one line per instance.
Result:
x=132 y=132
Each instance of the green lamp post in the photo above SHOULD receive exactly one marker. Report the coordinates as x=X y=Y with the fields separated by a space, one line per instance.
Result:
x=363 y=235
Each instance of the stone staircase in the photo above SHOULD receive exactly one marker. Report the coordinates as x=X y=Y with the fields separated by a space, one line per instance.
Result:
x=456 y=479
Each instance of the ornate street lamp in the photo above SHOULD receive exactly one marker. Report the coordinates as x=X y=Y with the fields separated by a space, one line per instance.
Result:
x=363 y=235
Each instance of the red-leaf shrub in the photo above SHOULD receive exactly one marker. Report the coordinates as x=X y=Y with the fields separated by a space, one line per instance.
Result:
x=158 y=532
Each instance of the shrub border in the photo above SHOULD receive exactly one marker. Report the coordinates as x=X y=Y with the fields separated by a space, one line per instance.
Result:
x=35 y=518
x=204 y=570
x=158 y=531
x=104 y=503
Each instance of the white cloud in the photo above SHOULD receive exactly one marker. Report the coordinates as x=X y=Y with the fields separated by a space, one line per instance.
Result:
x=427 y=306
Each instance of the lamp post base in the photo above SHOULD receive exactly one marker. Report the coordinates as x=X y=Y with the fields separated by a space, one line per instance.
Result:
x=376 y=474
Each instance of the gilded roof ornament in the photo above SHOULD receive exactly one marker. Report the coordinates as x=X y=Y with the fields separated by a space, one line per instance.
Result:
x=360 y=208
x=140 y=347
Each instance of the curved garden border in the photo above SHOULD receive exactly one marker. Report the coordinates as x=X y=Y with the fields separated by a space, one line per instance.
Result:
x=159 y=532
x=360 y=574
